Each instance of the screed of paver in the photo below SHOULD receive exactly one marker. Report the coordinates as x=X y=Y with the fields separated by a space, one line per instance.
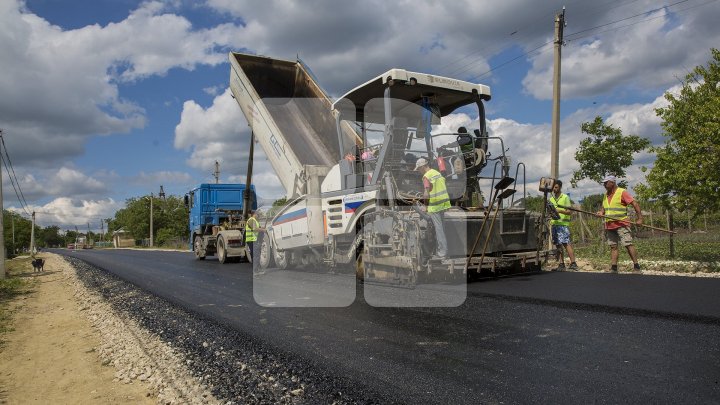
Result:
x=51 y=355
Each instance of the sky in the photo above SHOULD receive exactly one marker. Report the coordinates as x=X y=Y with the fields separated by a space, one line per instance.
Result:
x=104 y=100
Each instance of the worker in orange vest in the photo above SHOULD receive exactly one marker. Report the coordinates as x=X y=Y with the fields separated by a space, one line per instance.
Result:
x=617 y=227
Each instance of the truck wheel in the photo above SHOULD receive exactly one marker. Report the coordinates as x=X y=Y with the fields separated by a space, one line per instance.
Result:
x=281 y=260
x=248 y=254
x=266 y=255
x=198 y=248
x=221 y=251
x=359 y=268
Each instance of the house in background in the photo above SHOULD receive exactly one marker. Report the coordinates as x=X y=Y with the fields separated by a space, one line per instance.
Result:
x=122 y=239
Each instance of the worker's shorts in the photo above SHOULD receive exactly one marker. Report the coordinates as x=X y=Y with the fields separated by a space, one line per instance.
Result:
x=560 y=234
x=619 y=235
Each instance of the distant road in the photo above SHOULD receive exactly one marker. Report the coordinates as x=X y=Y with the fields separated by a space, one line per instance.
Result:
x=550 y=338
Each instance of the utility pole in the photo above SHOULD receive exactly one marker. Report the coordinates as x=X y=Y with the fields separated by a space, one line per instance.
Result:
x=32 y=236
x=555 y=148
x=2 y=225
x=248 y=180
x=102 y=230
x=13 y=228
x=217 y=172
x=151 y=219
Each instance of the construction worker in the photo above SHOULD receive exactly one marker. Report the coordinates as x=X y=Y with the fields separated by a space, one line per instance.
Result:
x=252 y=228
x=617 y=227
x=437 y=201
x=561 y=228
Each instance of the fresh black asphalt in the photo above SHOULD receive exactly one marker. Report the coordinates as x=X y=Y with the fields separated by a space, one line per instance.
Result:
x=544 y=338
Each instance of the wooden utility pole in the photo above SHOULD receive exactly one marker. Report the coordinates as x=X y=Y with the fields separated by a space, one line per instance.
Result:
x=32 y=236
x=555 y=148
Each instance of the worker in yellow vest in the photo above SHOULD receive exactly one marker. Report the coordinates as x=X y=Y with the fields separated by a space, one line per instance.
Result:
x=617 y=227
x=252 y=229
x=561 y=228
x=437 y=201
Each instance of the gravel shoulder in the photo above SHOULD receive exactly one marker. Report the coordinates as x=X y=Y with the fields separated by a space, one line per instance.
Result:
x=53 y=352
x=70 y=346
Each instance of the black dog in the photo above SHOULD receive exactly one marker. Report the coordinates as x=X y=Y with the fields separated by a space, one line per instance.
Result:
x=38 y=264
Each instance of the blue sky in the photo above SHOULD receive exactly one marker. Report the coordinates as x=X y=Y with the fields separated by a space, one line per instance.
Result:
x=106 y=100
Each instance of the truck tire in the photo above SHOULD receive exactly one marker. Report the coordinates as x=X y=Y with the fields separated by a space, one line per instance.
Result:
x=221 y=251
x=198 y=248
x=266 y=254
x=248 y=254
x=281 y=260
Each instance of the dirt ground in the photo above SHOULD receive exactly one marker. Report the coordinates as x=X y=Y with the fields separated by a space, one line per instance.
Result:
x=51 y=356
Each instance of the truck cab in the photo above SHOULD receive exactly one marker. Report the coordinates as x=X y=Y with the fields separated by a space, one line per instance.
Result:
x=216 y=223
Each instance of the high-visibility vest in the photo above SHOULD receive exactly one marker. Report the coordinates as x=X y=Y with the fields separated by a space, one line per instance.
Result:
x=564 y=200
x=439 y=197
x=614 y=209
x=251 y=234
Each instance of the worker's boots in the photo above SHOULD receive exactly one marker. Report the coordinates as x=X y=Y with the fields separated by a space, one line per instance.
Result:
x=560 y=267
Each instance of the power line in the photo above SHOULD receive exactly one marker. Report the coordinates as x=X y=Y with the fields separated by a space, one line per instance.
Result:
x=512 y=60
x=628 y=18
x=13 y=177
x=641 y=21
x=465 y=67
x=576 y=35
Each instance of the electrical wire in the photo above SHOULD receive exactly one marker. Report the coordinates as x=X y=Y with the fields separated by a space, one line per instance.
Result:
x=13 y=177
x=577 y=35
x=628 y=18
x=641 y=21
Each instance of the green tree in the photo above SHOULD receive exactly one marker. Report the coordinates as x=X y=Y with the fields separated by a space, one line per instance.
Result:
x=592 y=202
x=22 y=232
x=170 y=218
x=606 y=151
x=686 y=173
x=277 y=205
x=534 y=203
x=50 y=237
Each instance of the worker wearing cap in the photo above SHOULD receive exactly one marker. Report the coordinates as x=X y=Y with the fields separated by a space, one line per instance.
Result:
x=617 y=225
x=561 y=227
x=437 y=200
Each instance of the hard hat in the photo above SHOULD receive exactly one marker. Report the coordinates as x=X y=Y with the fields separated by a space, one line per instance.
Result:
x=420 y=163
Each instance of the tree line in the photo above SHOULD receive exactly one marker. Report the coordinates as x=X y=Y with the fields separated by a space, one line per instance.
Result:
x=170 y=223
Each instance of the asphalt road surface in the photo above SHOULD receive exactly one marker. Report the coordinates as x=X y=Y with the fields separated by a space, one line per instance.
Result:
x=544 y=338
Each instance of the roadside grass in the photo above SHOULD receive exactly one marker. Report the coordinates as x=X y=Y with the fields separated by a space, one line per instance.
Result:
x=15 y=284
x=693 y=252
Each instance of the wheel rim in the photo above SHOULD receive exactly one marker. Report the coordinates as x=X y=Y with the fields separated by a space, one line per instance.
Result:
x=281 y=260
x=222 y=254
x=264 y=258
x=197 y=247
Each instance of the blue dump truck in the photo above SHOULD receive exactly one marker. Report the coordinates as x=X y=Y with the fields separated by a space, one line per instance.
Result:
x=217 y=225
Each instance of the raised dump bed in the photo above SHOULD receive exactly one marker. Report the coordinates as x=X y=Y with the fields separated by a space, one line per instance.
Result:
x=289 y=112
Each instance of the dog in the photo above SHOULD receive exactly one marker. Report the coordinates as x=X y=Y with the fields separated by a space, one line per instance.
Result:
x=38 y=264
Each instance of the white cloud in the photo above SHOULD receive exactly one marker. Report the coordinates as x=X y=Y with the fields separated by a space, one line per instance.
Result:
x=213 y=90
x=220 y=133
x=648 y=55
x=60 y=87
x=68 y=212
